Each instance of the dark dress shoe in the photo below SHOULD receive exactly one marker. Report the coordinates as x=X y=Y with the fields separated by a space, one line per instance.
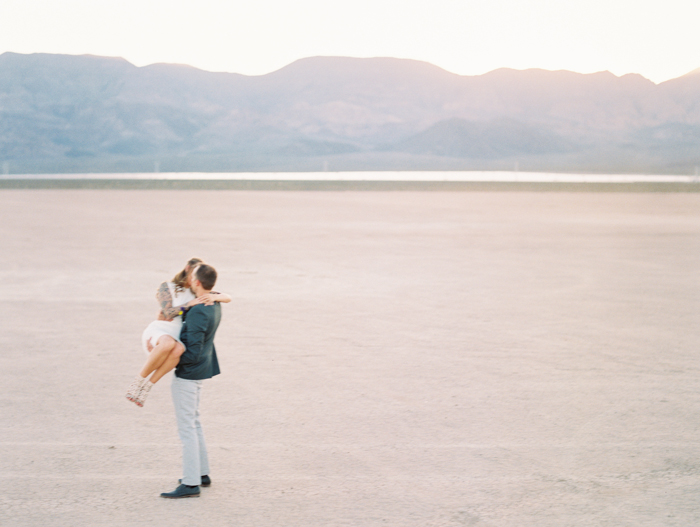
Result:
x=183 y=491
x=206 y=481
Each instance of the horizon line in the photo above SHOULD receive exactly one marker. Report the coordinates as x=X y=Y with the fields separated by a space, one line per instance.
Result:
x=691 y=72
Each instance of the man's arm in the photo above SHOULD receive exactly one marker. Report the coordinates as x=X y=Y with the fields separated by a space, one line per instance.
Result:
x=195 y=328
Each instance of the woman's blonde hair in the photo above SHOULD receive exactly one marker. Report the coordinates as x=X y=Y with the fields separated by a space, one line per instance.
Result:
x=180 y=278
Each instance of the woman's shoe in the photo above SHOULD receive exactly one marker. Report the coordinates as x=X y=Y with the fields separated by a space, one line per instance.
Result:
x=143 y=393
x=135 y=388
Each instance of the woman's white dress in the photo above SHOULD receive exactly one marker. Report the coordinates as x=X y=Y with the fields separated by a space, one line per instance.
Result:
x=158 y=328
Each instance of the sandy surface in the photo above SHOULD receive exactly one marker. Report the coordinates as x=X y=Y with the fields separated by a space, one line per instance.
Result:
x=389 y=359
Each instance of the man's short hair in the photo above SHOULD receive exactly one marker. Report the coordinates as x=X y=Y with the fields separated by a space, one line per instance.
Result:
x=206 y=274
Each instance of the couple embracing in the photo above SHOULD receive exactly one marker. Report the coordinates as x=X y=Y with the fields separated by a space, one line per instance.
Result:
x=183 y=339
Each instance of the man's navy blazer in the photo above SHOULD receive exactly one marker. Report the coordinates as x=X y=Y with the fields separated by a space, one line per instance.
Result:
x=199 y=359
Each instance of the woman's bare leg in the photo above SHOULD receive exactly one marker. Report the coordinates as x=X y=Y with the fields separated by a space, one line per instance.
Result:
x=158 y=355
x=169 y=363
x=163 y=358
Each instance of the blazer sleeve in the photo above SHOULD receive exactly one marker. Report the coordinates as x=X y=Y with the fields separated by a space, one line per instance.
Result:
x=195 y=328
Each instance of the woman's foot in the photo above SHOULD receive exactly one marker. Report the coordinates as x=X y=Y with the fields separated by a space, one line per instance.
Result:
x=134 y=388
x=143 y=393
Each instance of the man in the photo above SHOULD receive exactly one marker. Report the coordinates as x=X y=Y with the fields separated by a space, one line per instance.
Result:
x=198 y=362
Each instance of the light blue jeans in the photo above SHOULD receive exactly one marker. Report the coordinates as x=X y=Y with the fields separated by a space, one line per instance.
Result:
x=195 y=462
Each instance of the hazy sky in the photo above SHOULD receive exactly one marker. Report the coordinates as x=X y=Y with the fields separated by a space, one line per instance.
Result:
x=659 y=39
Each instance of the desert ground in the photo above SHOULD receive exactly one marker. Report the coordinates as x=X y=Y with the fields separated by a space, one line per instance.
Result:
x=489 y=359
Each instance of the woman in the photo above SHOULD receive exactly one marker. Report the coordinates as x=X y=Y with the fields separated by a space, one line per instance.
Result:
x=161 y=339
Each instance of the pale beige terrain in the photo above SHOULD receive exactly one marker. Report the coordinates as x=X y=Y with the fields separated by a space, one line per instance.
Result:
x=501 y=359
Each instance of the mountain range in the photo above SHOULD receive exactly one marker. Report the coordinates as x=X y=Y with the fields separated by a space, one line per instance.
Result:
x=64 y=113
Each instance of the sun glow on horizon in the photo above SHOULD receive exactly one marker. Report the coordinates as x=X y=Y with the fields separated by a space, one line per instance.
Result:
x=653 y=39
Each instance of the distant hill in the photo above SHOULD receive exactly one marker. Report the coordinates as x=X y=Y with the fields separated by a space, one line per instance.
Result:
x=61 y=113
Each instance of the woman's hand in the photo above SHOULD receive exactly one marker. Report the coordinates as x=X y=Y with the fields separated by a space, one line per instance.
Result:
x=207 y=299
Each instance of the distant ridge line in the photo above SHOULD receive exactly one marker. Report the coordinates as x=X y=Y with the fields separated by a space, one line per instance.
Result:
x=68 y=113
x=343 y=57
